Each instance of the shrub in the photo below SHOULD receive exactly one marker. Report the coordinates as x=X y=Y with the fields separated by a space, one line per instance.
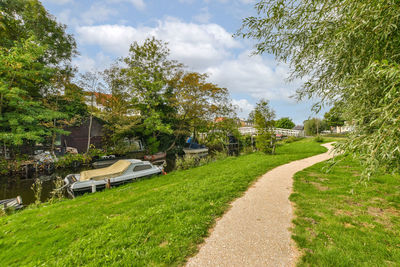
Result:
x=185 y=163
x=247 y=150
x=72 y=160
x=318 y=139
x=291 y=139
x=263 y=142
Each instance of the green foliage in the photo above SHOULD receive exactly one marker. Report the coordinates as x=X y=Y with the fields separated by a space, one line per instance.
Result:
x=147 y=72
x=57 y=194
x=263 y=142
x=185 y=163
x=319 y=139
x=35 y=52
x=23 y=19
x=37 y=188
x=314 y=126
x=342 y=222
x=96 y=152
x=348 y=52
x=22 y=117
x=334 y=116
x=285 y=123
x=158 y=221
x=291 y=139
x=4 y=166
x=264 y=123
x=72 y=160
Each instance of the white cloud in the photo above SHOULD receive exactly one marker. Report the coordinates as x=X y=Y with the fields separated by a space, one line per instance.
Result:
x=204 y=48
x=97 y=13
x=196 y=45
x=256 y=76
x=85 y=63
x=244 y=107
x=203 y=17
x=139 y=4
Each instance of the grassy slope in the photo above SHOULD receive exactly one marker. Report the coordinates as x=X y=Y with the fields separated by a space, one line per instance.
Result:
x=157 y=221
x=341 y=222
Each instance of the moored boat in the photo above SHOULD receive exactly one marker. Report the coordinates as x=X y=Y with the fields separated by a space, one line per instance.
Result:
x=14 y=203
x=120 y=172
x=196 y=152
x=157 y=156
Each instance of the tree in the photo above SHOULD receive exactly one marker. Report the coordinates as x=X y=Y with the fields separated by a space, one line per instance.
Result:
x=198 y=104
x=147 y=72
x=23 y=119
x=285 y=123
x=314 y=126
x=91 y=82
x=119 y=113
x=348 y=51
x=22 y=19
x=264 y=123
x=334 y=116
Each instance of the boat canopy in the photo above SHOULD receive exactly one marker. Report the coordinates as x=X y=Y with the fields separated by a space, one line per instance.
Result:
x=115 y=170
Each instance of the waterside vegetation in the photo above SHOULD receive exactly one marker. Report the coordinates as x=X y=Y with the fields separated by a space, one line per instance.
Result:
x=153 y=222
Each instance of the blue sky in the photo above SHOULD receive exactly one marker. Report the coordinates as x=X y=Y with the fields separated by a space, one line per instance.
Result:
x=199 y=33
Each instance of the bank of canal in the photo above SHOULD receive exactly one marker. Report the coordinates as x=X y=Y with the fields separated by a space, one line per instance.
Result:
x=18 y=185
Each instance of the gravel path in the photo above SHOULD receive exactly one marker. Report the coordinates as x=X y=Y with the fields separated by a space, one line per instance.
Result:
x=256 y=230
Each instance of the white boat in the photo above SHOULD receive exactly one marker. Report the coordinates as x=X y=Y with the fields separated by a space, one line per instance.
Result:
x=120 y=172
x=196 y=152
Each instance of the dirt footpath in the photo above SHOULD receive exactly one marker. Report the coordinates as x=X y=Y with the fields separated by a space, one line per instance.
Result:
x=255 y=231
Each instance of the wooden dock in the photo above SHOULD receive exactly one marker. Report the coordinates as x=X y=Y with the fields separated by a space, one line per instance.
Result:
x=14 y=203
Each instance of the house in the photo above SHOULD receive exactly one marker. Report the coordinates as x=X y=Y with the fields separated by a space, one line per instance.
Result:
x=78 y=137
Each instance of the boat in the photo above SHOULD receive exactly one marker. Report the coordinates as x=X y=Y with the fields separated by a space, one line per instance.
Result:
x=156 y=157
x=122 y=171
x=196 y=152
x=13 y=203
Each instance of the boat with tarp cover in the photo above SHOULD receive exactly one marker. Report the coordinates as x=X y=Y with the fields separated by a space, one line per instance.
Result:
x=120 y=172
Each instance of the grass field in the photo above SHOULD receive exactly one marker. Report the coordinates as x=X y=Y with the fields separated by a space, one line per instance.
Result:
x=342 y=222
x=153 y=222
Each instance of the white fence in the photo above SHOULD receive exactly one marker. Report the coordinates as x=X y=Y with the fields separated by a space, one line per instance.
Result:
x=285 y=132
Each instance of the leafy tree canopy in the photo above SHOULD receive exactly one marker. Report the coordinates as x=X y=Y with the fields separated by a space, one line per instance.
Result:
x=314 y=126
x=264 y=123
x=334 y=116
x=348 y=51
x=285 y=123
x=22 y=19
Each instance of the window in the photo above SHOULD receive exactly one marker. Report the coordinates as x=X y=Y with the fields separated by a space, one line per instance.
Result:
x=141 y=168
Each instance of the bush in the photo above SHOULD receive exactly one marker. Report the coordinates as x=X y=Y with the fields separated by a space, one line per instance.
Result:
x=291 y=139
x=319 y=139
x=263 y=142
x=184 y=163
x=247 y=150
x=96 y=152
x=73 y=160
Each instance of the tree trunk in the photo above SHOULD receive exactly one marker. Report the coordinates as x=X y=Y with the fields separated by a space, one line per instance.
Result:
x=89 y=132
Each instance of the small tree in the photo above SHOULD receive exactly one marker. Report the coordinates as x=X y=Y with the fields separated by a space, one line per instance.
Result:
x=91 y=82
x=285 y=123
x=334 y=117
x=264 y=123
x=314 y=126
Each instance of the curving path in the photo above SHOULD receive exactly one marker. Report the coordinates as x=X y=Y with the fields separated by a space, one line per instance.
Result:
x=256 y=230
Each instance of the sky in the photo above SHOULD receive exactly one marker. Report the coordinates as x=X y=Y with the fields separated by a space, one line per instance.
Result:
x=199 y=34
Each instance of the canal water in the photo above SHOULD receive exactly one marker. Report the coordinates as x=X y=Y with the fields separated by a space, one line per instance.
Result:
x=18 y=185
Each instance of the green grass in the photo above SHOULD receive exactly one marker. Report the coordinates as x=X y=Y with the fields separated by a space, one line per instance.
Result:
x=153 y=222
x=342 y=222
